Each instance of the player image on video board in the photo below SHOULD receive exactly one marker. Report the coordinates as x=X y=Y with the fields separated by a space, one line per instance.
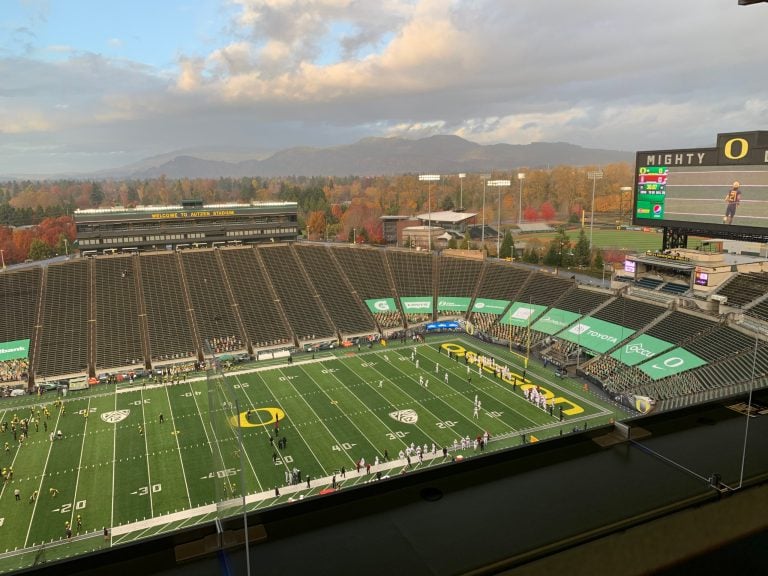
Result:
x=699 y=195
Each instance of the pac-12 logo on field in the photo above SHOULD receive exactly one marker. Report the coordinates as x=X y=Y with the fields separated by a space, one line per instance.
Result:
x=115 y=416
x=405 y=416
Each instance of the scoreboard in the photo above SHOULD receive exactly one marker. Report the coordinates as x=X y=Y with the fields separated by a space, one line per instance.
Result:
x=712 y=190
x=651 y=189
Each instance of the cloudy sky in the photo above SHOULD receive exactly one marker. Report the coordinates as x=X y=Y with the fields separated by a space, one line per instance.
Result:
x=94 y=84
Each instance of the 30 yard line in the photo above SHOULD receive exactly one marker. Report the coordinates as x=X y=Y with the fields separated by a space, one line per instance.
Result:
x=146 y=455
x=348 y=366
x=181 y=460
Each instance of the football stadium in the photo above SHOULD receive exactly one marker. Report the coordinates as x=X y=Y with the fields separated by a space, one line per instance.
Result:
x=180 y=391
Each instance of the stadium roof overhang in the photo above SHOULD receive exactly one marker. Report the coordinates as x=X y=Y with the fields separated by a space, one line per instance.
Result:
x=666 y=263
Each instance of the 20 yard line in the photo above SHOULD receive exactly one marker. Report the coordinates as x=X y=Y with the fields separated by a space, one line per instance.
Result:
x=42 y=477
x=80 y=461
x=181 y=460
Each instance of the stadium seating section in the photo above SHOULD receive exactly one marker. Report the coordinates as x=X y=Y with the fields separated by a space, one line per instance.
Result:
x=88 y=316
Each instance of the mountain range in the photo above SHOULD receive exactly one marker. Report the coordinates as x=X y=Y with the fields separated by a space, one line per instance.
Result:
x=368 y=157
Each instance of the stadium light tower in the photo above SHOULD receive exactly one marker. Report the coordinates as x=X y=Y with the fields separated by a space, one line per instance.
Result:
x=429 y=178
x=499 y=184
x=622 y=191
x=462 y=175
x=594 y=176
x=520 y=178
x=485 y=178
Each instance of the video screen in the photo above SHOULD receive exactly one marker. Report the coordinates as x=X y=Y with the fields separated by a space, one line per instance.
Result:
x=722 y=195
x=630 y=266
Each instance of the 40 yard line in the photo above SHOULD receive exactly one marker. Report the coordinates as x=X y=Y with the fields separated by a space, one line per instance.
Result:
x=178 y=448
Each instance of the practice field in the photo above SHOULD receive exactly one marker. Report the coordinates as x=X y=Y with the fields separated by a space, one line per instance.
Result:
x=145 y=459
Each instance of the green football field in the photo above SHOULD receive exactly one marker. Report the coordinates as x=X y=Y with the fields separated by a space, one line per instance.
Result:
x=118 y=466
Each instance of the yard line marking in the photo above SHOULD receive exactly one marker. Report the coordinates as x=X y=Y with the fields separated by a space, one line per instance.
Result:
x=82 y=449
x=307 y=444
x=181 y=460
x=146 y=455
x=347 y=416
x=202 y=420
x=318 y=416
x=248 y=456
x=494 y=380
x=42 y=477
x=386 y=408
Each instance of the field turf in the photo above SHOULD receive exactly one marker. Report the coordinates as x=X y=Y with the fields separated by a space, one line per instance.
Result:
x=118 y=466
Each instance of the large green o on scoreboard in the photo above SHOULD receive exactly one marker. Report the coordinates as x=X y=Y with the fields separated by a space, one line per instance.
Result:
x=670 y=363
x=721 y=190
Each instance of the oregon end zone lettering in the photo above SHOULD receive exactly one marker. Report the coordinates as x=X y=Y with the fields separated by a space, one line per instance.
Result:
x=516 y=379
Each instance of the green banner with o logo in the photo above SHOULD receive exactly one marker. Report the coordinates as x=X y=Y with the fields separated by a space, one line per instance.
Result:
x=672 y=362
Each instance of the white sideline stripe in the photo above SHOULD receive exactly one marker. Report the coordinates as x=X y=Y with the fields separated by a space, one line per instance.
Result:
x=261 y=496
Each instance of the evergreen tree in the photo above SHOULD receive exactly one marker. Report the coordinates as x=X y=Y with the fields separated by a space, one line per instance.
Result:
x=581 y=251
x=507 y=249
x=39 y=250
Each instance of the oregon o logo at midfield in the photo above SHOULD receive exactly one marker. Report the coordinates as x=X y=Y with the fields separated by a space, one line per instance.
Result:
x=274 y=414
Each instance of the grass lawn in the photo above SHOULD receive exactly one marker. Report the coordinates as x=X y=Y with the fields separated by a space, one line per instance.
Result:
x=119 y=466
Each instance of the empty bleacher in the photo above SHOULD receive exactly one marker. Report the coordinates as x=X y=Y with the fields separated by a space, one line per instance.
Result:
x=346 y=311
x=411 y=272
x=742 y=289
x=582 y=301
x=649 y=283
x=19 y=297
x=366 y=270
x=674 y=288
x=633 y=314
x=64 y=338
x=302 y=307
x=719 y=343
x=544 y=289
x=168 y=324
x=502 y=281
x=265 y=325
x=678 y=327
x=458 y=276
x=118 y=330
x=759 y=310
x=212 y=309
